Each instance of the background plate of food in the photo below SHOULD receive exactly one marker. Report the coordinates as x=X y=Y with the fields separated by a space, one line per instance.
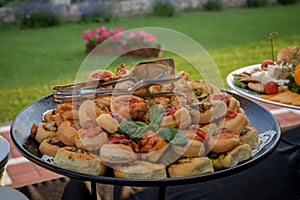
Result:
x=255 y=82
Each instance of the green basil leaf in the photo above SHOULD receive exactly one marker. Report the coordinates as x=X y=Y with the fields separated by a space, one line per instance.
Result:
x=132 y=129
x=173 y=135
x=240 y=84
x=156 y=114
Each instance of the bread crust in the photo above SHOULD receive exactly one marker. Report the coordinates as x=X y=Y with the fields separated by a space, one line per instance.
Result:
x=250 y=136
x=191 y=167
x=50 y=146
x=43 y=132
x=141 y=170
x=233 y=157
x=117 y=153
x=181 y=119
x=223 y=141
x=108 y=123
x=90 y=139
x=129 y=106
x=194 y=148
x=237 y=124
x=68 y=110
x=66 y=133
x=74 y=159
x=216 y=111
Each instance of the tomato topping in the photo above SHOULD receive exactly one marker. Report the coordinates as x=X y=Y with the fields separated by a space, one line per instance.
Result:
x=271 y=87
x=230 y=114
x=265 y=63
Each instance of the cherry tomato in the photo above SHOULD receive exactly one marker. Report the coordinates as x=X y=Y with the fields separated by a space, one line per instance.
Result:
x=265 y=63
x=271 y=87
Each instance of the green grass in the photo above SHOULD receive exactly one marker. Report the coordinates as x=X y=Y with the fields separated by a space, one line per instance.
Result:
x=33 y=61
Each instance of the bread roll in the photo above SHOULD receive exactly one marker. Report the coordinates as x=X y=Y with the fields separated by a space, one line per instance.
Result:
x=211 y=111
x=66 y=133
x=141 y=170
x=201 y=89
x=180 y=119
x=91 y=139
x=250 y=136
x=152 y=146
x=155 y=155
x=229 y=100
x=100 y=74
x=117 y=153
x=191 y=167
x=237 y=124
x=50 y=146
x=129 y=106
x=108 y=123
x=45 y=130
x=233 y=157
x=89 y=111
x=68 y=110
x=49 y=114
x=74 y=159
x=223 y=141
x=194 y=148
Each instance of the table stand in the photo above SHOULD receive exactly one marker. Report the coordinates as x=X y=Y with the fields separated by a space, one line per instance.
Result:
x=162 y=193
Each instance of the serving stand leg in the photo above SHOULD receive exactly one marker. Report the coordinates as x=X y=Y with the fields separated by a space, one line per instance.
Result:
x=161 y=193
x=94 y=191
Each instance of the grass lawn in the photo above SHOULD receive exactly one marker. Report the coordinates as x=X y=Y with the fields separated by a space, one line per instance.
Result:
x=33 y=61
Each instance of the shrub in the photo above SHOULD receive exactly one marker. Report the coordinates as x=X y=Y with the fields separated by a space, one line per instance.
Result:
x=95 y=11
x=4 y=2
x=256 y=3
x=36 y=13
x=287 y=2
x=213 y=5
x=164 y=9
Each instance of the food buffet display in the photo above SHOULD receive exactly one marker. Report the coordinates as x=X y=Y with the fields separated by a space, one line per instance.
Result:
x=187 y=131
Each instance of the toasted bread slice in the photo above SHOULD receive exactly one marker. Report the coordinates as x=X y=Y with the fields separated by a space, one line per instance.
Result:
x=257 y=87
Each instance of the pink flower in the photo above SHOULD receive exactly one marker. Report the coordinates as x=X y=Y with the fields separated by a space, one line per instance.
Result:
x=124 y=42
x=132 y=36
x=99 y=38
x=115 y=36
x=141 y=33
x=150 y=38
x=98 y=30
x=92 y=33
x=86 y=37
x=102 y=29
x=121 y=29
x=105 y=34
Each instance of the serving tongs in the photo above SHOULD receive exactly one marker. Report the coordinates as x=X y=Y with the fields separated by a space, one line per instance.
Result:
x=144 y=75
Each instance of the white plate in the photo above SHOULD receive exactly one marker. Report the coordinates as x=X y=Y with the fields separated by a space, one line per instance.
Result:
x=250 y=93
x=10 y=193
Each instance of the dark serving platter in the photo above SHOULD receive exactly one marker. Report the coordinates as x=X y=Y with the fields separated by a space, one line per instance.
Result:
x=259 y=117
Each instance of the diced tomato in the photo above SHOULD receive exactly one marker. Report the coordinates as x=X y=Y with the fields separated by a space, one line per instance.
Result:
x=265 y=63
x=271 y=87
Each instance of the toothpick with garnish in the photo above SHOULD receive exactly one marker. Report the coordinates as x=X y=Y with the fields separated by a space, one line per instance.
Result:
x=271 y=37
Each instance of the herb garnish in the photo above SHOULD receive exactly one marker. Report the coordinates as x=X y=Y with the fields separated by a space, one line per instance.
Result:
x=292 y=84
x=136 y=129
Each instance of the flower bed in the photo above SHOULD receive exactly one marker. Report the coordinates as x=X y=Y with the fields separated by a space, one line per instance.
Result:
x=116 y=41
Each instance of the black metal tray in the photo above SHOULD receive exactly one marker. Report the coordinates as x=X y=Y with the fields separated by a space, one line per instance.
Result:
x=259 y=117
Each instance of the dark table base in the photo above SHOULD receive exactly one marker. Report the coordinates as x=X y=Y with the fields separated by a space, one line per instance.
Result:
x=277 y=177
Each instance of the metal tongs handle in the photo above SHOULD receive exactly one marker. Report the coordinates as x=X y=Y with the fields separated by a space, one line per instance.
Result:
x=131 y=89
x=144 y=74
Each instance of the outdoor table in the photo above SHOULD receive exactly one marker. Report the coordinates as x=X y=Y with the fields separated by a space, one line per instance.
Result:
x=276 y=177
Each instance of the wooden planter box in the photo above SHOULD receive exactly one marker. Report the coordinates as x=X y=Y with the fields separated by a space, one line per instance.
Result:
x=125 y=50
